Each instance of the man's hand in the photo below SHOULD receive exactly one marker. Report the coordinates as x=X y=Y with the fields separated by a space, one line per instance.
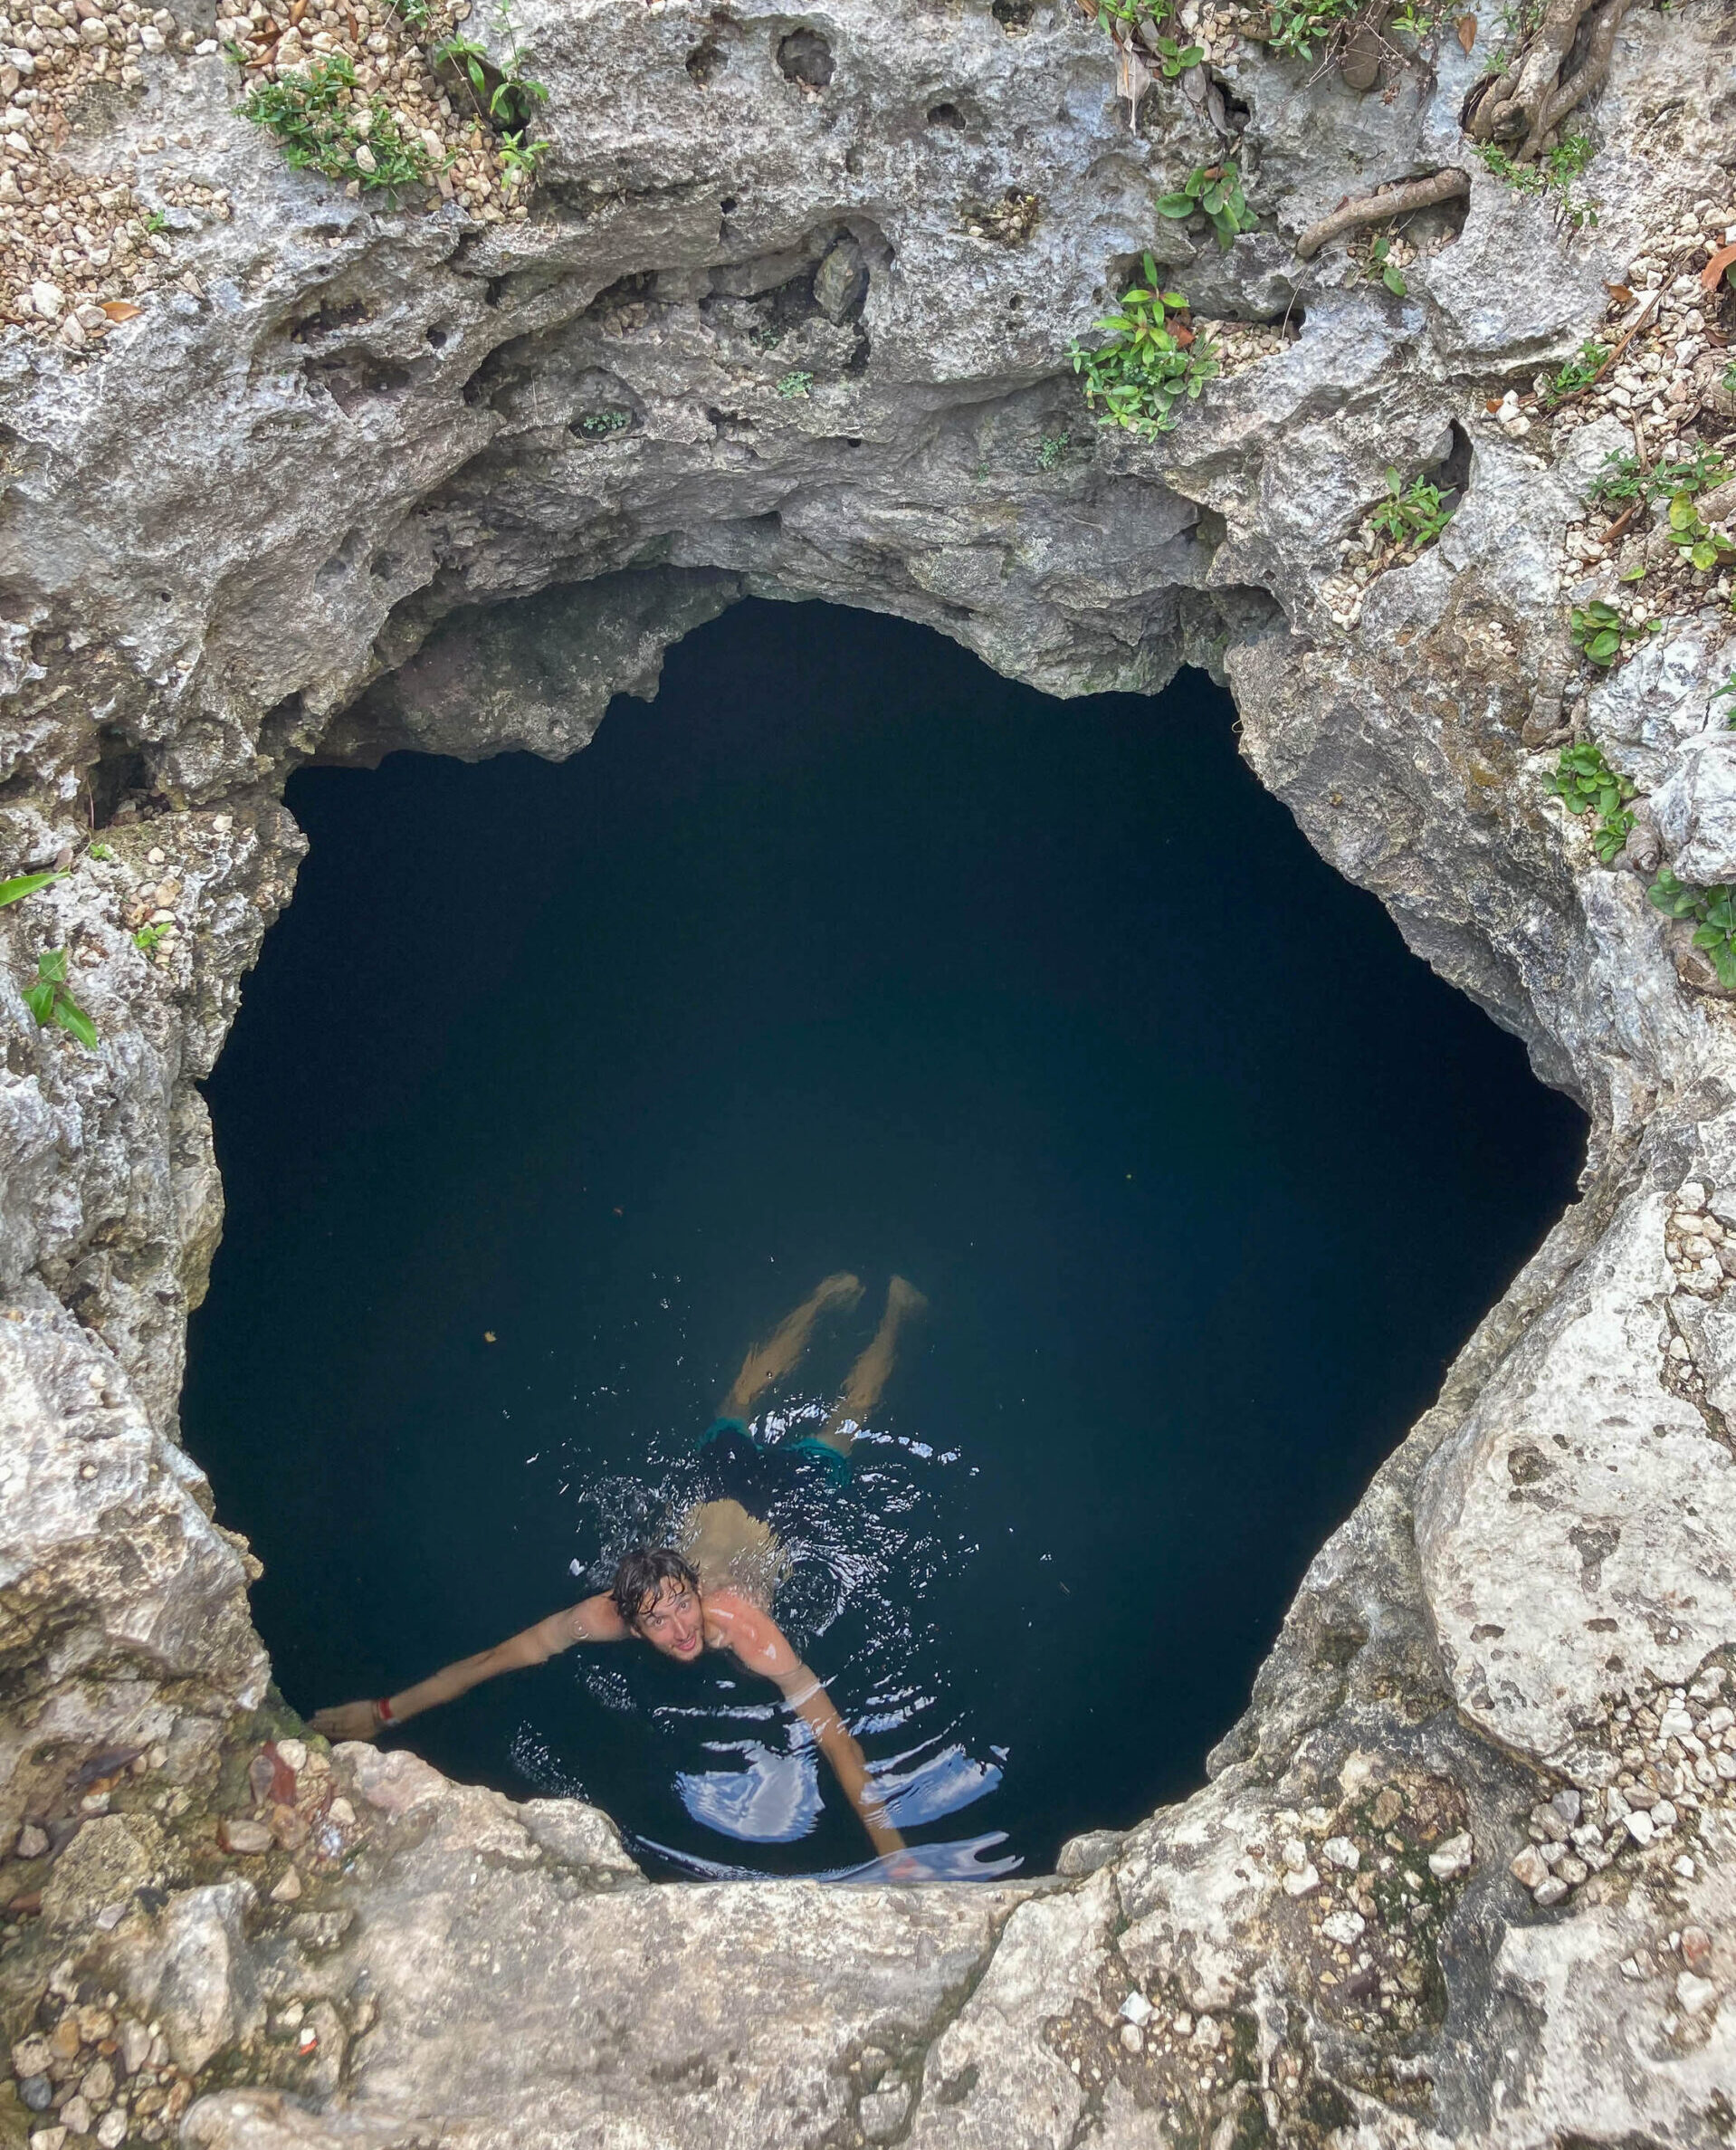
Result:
x=350 y=1720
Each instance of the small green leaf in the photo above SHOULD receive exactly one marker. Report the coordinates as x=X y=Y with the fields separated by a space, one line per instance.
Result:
x=51 y=966
x=40 y=1000
x=70 y=1016
x=1682 y=515
x=1603 y=648
x=25 y=884
x=1176 y=204
x=1394 y=282
x=1704 y=555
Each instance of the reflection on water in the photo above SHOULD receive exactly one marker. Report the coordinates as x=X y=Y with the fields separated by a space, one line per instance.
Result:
x=741 y=1764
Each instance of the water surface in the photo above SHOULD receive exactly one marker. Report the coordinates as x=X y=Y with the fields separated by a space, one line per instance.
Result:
x=557 y=1084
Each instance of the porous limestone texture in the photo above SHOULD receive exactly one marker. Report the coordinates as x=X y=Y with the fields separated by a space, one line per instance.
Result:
x=789 y=315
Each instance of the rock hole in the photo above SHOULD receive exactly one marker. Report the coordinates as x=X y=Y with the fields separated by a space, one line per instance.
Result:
x=805 y=57
x=327 y=318
x=119 y=771
x=1014 y=15
x=946 y=115
x=437 y=337
x=728 y=205
x=355 y=377
x=706 y=61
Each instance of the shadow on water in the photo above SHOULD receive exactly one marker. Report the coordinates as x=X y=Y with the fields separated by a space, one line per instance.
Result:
x=557 y=1084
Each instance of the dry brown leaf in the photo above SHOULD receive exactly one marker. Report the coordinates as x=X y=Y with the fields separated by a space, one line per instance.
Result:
x=1467 y=28
x=121 y=310
x=1183 y=336
x=1619 y=293
x=1714 y=269
x=1494 y=404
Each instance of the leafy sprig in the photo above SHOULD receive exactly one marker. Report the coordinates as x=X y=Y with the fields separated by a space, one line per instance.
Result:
x=1586 y=784
x=1217 y=189
x=51 y=1000
x=1153 y=362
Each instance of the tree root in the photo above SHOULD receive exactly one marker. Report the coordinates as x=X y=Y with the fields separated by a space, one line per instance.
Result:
x=1376 y=208
x=1585 y=78
x=1528 y=102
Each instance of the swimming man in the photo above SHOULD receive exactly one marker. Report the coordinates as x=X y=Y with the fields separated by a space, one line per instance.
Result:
x=714 y=1588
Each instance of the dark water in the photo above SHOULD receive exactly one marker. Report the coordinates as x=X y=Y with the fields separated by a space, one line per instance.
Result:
x=844 y=953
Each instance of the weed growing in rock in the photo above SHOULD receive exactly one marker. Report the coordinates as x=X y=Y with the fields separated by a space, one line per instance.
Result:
x=1382 y=268
x=599 y=425
x=1552 y=175
x=102 y=852
x=1718 y=694
x=25 y=884
x=1599 y=630
x=50 y=1001
x=1714 y=912
x=1706 y=548
x=321 y=125
x=1580 y=370
x=795 y=383
x=505 y=96
x=1624 y=478
x=1054 y=446
x=1152 y=364
x=1217 y=189
x=147 y=939
x=1123 y=19
x=1586 y=784
x=1412 y=515
x=1727 y=379
x=1297 y=27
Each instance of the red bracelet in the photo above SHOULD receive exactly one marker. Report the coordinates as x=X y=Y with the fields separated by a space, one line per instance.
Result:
x=383 y=1709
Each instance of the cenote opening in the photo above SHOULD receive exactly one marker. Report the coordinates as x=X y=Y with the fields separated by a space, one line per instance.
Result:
x=557 y=1085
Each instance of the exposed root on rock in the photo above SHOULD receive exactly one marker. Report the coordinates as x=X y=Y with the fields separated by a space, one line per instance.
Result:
x=1388 y=201
x=1528 y=102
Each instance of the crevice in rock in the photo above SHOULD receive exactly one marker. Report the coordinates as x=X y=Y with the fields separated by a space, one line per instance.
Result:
x=805 y=57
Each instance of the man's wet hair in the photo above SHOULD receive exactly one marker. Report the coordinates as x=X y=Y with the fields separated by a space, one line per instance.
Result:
x=643 y=1571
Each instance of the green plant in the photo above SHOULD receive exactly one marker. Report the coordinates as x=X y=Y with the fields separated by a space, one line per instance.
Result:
x=417 y=16
x=510 y=103
x=1414 y=21
x=1718 y=694
x=520 y=158
x=1599 y=630
x=1727 y=379
x=50 y=1001
x=1714 y=912
x=102 y=852
x=1173 y=59
x=1151 y=365
x=25 y=884
x=1624 y=478
x=1552 y=175
x=1382 y=268
x=157 y=221
x=1580 y=370
x=148 y=937
x=316 y=118
x=1586 y=784
x=795 y=383
x=1412 y=515
x=1216 y=188
x=599 y=424
x=1690 y=534
x=1295 y=26
x=1054 y=446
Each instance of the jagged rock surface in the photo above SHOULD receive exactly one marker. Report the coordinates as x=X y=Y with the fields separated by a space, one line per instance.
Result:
x=269 y=523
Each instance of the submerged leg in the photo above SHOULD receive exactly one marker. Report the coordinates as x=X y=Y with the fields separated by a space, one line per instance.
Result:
x=869 y=1375
x=771 y=1360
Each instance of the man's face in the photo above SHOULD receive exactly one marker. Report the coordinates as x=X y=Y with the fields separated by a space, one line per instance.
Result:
x=673 y=1623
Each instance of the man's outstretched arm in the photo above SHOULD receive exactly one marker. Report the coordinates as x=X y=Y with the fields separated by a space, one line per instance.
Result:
x=757 y=1641
x=593 y=1620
